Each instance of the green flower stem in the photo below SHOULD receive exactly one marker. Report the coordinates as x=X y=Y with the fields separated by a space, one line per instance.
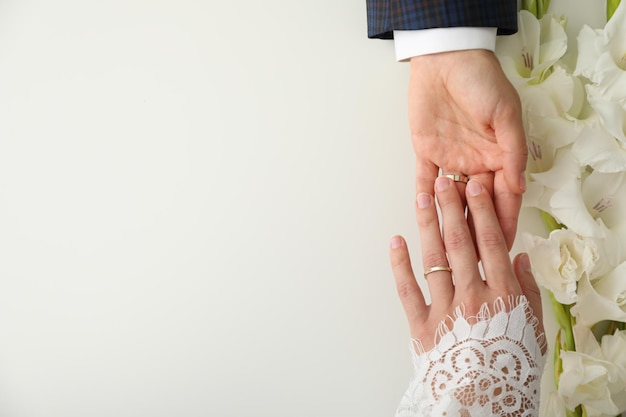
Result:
x=568 y=338
x=559 y=313
x=611 y=6
x=566 y=322
x=530 y=5
x=558 y=362
x=545 y=5
x=578 y=412
x=537 y=7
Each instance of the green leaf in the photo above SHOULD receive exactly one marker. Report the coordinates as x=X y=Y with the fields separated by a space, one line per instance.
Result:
x=566 y=322
x=551 y=222
x=546 y=6
x=538 y=8
x=576 y=413
x=611 y=6
x=531 y=6
x=558 y=363
x=560 y=313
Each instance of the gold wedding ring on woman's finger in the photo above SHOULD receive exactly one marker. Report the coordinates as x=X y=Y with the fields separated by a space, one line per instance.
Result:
x=458 y=178
x=437 y=269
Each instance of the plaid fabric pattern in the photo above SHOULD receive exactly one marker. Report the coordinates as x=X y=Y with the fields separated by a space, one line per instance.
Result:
x=385 y=16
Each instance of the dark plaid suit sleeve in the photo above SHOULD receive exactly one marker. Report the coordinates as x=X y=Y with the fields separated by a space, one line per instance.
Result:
x=385 y=16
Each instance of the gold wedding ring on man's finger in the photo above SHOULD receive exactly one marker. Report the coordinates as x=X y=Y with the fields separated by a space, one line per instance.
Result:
x=458 y=178
x=437 y=269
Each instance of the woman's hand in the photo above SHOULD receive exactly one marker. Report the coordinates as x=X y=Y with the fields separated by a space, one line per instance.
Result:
x=502 y=279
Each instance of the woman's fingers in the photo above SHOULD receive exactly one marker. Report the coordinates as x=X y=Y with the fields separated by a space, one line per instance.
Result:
x=409 y=292
x=456 y=235
x=460 y=182
x=489 y=239
x=433 y=252
x=521 y=265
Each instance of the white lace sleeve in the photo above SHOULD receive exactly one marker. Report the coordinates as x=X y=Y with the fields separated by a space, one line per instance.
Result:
x=491 y=367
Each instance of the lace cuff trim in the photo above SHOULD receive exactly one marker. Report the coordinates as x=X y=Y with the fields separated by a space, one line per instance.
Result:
x=482 y=366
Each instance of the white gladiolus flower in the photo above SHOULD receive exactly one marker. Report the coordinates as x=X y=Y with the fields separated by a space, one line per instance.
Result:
x=585 y=380
x=598 y=148
x=609 y=101
x=559 y=262
x=548 y=125
x=568 y=206
x=553 y=96
x=564 y=169
x=546 y=90
x=604 y=195
x=592 y=204
x=575 y=128
x=603 y=298
x=602 y=59
x=597 y=46
x=553 y=406
x=613 y=348
x=593 y=375
x=558 y=191
x=527 y=56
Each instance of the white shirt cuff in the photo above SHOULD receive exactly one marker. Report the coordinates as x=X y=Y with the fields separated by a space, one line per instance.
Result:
x=410 y=43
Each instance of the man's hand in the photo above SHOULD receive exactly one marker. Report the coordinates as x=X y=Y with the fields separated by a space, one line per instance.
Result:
x=465 y=117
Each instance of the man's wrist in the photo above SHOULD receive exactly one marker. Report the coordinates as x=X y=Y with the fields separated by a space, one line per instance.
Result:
x=411 y=43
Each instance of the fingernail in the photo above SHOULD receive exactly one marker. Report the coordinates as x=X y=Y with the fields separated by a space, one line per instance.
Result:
x=423 y=200
x=524 y=262
x=442 y=183
x=396 y=242
x=522 y=181
x=474 y=188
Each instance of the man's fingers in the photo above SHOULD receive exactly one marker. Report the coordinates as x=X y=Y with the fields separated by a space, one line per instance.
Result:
x=510 y=135
x=514 y=165
x=507 y=205
x=409 y=292
x=425 y=175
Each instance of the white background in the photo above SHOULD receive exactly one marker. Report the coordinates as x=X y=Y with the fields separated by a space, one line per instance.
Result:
x=196 y=200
